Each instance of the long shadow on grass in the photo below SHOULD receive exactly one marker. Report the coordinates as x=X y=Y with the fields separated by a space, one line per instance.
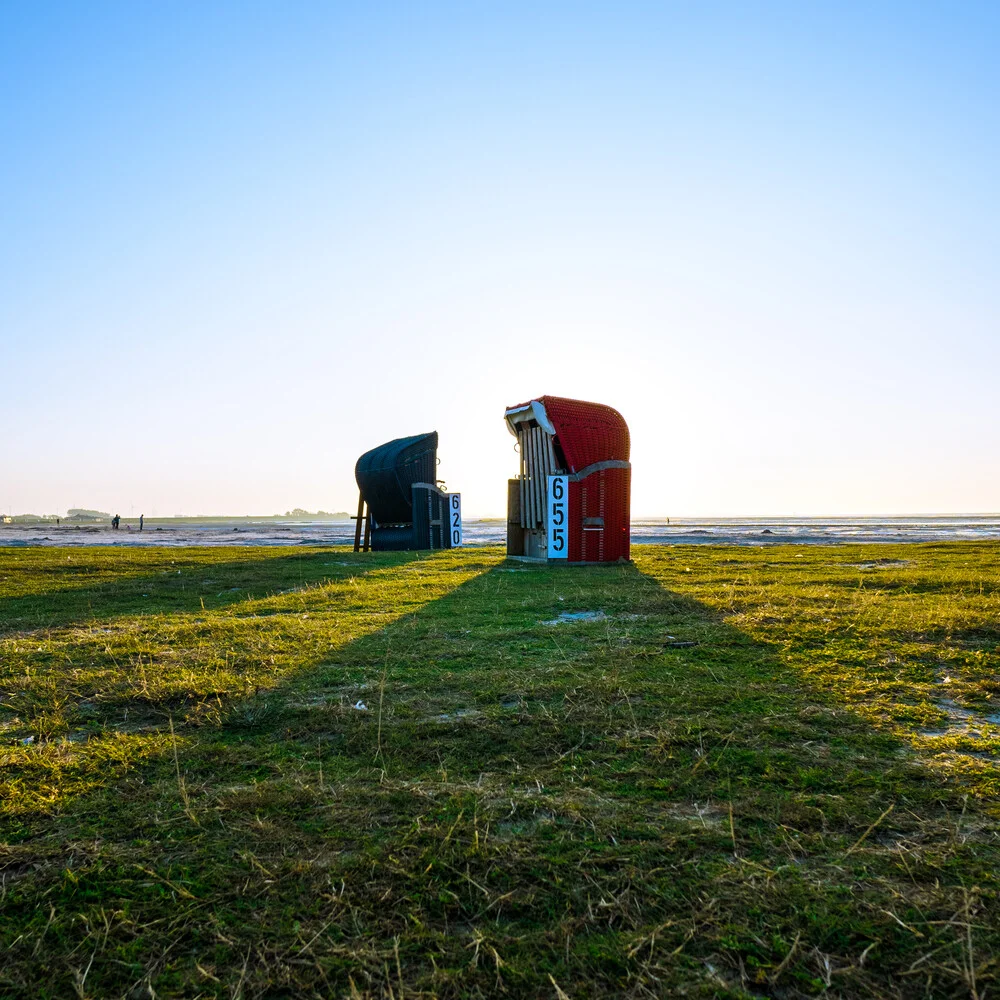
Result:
x=170 y=581
x=146 y=668
x=483 y=796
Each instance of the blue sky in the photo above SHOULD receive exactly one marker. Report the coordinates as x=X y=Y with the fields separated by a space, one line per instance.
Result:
x=242 y=243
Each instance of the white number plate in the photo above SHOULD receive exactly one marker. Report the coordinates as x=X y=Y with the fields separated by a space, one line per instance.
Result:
x=557 y=517
x=454 y=522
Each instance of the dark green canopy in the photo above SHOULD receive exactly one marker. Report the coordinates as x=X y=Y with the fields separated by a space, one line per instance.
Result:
x=386 y=473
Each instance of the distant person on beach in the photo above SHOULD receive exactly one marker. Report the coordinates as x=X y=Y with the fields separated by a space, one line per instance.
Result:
x=115 y=521
x=141 y=516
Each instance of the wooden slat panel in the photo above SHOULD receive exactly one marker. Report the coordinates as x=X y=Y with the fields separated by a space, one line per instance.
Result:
x=523 y=479
x=552 y=455
x=543 y=471
x=529 y=458
x=537 y=463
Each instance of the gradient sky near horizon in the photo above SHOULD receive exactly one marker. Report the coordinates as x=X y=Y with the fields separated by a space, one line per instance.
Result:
x=241 y=243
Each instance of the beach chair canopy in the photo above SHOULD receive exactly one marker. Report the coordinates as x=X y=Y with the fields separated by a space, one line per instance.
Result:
x=386 y=473
x=584 y=433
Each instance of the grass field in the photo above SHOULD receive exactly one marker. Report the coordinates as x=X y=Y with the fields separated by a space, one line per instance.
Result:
x=239 y=772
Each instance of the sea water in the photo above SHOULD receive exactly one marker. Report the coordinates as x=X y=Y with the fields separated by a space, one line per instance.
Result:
x=657 y=531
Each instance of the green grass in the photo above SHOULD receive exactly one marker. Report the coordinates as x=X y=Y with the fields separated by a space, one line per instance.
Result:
x=761 y=772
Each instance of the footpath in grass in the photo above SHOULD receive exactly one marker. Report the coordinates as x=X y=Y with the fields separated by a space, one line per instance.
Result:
x=717 y=772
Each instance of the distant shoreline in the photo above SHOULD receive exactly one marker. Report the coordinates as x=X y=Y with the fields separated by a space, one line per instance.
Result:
x=53 y=519
x=340 y=517
x=331 y=531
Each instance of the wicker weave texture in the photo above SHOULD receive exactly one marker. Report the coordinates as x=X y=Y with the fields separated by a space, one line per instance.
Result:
x=587 y=432
x=602 y=496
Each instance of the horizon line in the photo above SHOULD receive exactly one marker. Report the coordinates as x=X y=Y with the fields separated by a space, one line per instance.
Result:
x=633 y=518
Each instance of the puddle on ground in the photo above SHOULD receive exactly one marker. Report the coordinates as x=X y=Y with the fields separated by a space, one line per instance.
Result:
x=576 y=616
x=457 y=715
x=960 y=718
x=881 y=564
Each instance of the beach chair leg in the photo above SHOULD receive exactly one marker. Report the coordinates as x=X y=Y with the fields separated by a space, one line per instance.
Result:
x=357 y=524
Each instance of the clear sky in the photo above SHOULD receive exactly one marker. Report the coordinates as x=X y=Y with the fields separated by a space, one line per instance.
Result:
x=242 y=243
